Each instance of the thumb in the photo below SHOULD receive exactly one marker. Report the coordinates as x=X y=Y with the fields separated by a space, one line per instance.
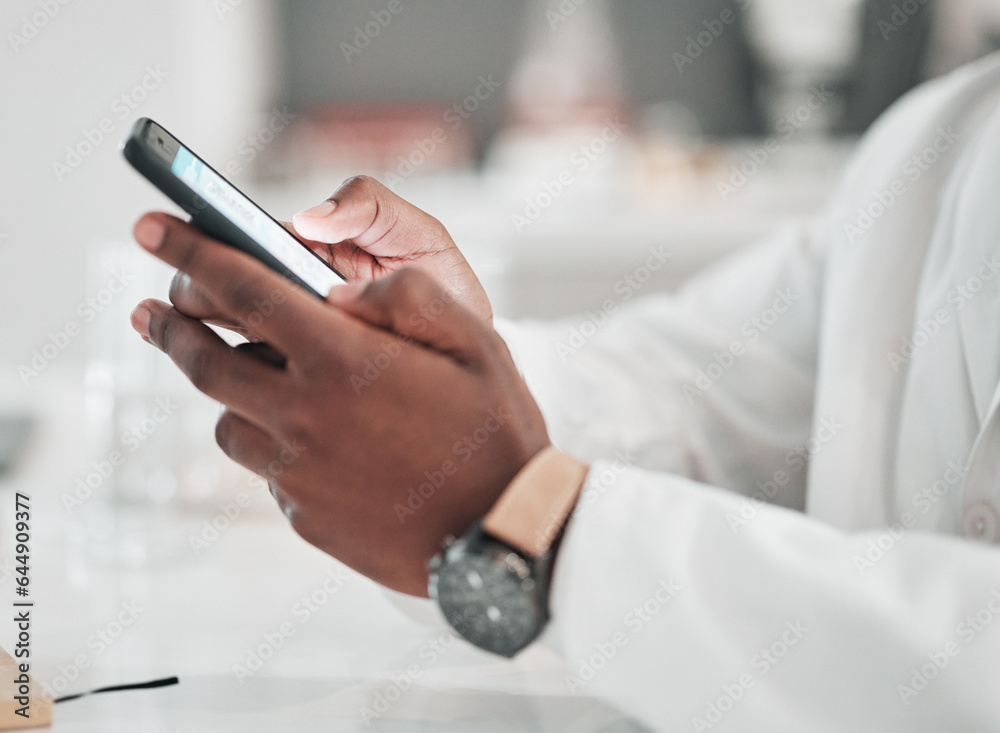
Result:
x=373 y=218
x=410 y=303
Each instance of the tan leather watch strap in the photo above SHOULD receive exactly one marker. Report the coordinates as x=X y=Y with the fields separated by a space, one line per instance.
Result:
x=532 y=509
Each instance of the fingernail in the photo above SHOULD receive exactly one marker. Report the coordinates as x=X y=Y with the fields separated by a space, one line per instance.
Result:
x=140 y=321
x=320 y=210
x=345 y=293
x=148 y=232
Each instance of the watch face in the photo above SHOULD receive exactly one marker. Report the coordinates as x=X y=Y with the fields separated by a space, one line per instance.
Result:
x=487 y=603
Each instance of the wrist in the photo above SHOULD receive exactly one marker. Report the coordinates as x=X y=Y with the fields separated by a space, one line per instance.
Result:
x=492 y=583
x=532 y=510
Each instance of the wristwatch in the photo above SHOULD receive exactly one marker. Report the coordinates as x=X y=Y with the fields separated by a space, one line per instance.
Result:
x=492 y=584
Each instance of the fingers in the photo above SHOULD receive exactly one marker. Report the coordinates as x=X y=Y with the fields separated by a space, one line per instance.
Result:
x=257 y=451
x=253 y=447
x=192 y=300
x=229 y=375
x=264 y=352
x=244 y=442
x=374 y=218
x=410 y=303
x=242 y=289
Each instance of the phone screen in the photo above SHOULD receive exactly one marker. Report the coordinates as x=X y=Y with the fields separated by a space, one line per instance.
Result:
x=241 y=211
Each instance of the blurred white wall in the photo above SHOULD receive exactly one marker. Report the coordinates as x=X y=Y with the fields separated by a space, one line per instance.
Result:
x=64 y=68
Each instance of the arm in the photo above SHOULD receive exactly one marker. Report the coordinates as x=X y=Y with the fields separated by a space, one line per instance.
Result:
x=704 y=383
x=695 y=609
x=660 y=607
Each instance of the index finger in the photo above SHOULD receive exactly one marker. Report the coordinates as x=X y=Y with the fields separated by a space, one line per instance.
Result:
x=243 y=289
x=191 y=299
x=369 y=215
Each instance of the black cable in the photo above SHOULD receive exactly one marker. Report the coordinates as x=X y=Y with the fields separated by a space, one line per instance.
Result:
x=165 y=682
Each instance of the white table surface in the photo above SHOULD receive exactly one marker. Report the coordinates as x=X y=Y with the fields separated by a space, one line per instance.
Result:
x=198 y=615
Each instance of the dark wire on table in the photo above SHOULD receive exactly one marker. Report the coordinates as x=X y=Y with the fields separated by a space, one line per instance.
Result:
x=165 y=682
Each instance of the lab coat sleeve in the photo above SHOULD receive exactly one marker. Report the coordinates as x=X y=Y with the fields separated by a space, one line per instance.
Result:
x=691 y=608
x=714 y=383
x=681 y=594
x=683 y=598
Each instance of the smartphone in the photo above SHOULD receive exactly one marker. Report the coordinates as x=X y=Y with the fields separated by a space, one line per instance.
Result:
x=221 y=210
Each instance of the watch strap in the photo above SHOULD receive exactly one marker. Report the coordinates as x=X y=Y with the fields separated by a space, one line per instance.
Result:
x=533 y=508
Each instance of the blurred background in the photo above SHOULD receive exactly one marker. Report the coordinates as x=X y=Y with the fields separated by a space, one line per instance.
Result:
x=469 y=108
x=560 y=141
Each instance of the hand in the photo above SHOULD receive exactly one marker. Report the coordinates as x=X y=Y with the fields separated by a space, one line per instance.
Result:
x=366 y=232
x=395 y=418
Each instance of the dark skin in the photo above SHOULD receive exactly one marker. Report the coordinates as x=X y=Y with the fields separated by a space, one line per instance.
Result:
x=339 y=443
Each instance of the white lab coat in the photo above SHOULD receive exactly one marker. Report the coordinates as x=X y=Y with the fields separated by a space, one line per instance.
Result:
x=868 y=341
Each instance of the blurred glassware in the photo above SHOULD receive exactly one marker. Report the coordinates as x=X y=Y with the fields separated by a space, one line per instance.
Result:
x=14 y=432
x=153 y=461
x=963 y=31
x=391 y=140
x=570 y=71
x=803 y=45
x=567 y=130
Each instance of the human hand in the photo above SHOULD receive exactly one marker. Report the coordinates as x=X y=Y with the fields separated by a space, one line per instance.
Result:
x=366 y=232
x=395 y=417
